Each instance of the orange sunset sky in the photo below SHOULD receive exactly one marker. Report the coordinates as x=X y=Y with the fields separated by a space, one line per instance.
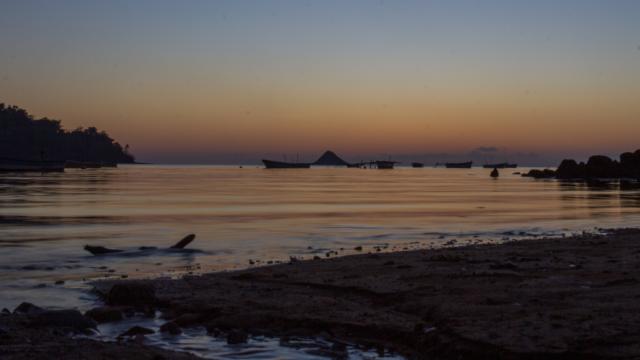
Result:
x=233 y=81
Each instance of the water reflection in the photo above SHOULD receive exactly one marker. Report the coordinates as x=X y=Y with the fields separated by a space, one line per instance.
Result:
x=252 y=215
x=247 y=217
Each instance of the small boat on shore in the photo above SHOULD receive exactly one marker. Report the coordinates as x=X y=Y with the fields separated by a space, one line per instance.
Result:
x=272 y=164
x=500 y=166
x=19 y=165
x=417 y=165
x=463 y=165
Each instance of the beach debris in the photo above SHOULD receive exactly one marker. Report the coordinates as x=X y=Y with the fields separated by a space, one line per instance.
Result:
x=184 y=242
x=104 y=314
x=101 y=250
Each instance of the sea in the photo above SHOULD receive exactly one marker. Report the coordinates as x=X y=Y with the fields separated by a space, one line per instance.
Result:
x=246 y=216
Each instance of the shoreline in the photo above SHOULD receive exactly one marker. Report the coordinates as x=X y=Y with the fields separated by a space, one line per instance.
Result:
x=571 y=297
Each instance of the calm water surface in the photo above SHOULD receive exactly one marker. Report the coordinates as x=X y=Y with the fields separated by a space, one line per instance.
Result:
x=243 y=215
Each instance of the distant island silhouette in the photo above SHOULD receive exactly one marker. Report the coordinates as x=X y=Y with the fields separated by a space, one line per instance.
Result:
x=24 y=138
x=329 y=158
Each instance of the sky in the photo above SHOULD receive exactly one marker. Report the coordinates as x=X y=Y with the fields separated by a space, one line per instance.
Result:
x=235 y=81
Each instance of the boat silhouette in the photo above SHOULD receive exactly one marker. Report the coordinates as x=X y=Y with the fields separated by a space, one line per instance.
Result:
x=462 y=165
x=500 y=166
x=272 y=164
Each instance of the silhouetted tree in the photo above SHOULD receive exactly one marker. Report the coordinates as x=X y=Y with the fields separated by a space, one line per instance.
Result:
x=23 y=137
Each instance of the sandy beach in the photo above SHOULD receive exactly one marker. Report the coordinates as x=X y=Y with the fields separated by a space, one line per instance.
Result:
x=573 y=297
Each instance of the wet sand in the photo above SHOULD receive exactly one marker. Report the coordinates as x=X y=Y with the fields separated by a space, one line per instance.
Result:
x=574 y=297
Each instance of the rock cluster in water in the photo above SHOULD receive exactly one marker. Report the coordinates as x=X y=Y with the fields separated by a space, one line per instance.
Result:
x=597 y=167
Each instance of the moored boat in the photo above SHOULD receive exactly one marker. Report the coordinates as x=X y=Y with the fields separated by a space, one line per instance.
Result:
x=19 y=165
x=384 y=164
x=272 y=164
x=463 y=165
x=500 y=166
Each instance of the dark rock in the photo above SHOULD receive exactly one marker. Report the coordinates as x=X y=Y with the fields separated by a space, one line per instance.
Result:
x=600 y=166
x=5 y=311
x=237 y=337
x=4 y=333
x=630 y=164
x=171 y=328
x=70 y=319
x=59 y=282
x=104 y=314
x=28 y=309
x=137 y=330
x=132 y=293
x=570 y=169
x=358 y=248
x=541 y=174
